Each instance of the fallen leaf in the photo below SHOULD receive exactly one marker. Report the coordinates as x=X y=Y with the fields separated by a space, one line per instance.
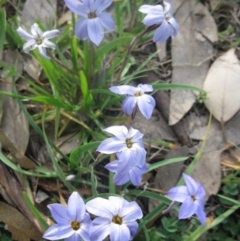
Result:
x=14 y=131
x=191 y=53
x=20 y=227
x=222 y=85
x=154 y=129
x=41 y=10
x=196 y=127
x=208 y=172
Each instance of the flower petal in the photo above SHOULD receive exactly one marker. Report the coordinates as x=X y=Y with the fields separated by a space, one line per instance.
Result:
x=152 y=19
x=95 y=30
x=57 y=231
x=59 y=213
x=135 y=135
x=81 y=28
x=101 y=207
x=76 y=207
x=133 y=227
x=36 y=31
x=51 y=34
x=107 y=21
x=201 y=215
x=136 y=173
x=120 y=132
x=77 y=7
x=167 y=7
x=123 y=89
x=99 y=229
x=146 y=104
x=119 y=232
x=128 y=105
x=118 y=202
x=130 y=212
x=175 y=26
x=187 y=209
x=111 y=145
x=200 y=195
x=191 y=184
x=22 y=33
x=29 y=45
x=145 y=8
x=48 y=44
x=112 y=166
x=121 y=178
x=74 y=237
x=43 y=52
x=178 y=194
x=163 y=32
x=145 y=87
x=100 y=5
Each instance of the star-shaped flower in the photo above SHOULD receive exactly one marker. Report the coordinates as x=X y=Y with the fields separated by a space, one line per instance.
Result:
x=131 y=173
x=192 y=198
x=136 y=96
x=72 y=221
x=38 y=39
x=116 y=218
x=93 y=21
x=160 y=16
x=128 y=142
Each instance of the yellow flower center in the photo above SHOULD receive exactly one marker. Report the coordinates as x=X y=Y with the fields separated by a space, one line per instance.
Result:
x=92 y=15
x=137 y=94
x=39 y=41
x=117 y=220
x=193 y=198
x=75 y=225
x=129 y=143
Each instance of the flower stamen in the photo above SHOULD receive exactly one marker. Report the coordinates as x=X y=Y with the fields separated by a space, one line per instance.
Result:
x=193 y=198
x=92 y=15
x=117 y=220
x=39 y=41
x=137 y=94
x=129 y=143
x=75 y=225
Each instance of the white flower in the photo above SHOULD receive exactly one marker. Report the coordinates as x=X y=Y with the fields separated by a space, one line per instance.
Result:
x=38 y=39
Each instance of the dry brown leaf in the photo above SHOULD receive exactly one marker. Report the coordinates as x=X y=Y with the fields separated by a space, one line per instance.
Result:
x=14 y=131
x=222 y=85
x=41 y=10
x=154 y=129
x=20 y=227
x=191 y=53
x=208 y=172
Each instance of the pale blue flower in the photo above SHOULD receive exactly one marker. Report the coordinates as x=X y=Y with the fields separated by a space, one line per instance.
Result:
x=192 y=198
x=136 y=96
x=93 y=20
x=116 y=217
x=128 y=142
x=131 y=173
x=38 y=39
x=72 y=221
x=160 y=16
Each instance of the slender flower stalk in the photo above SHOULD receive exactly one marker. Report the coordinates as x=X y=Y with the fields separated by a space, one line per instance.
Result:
x=72 y=221
x=38 y=39
x=93 y=20
x=116 y=218
x=192 y=198
x=136 y=96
